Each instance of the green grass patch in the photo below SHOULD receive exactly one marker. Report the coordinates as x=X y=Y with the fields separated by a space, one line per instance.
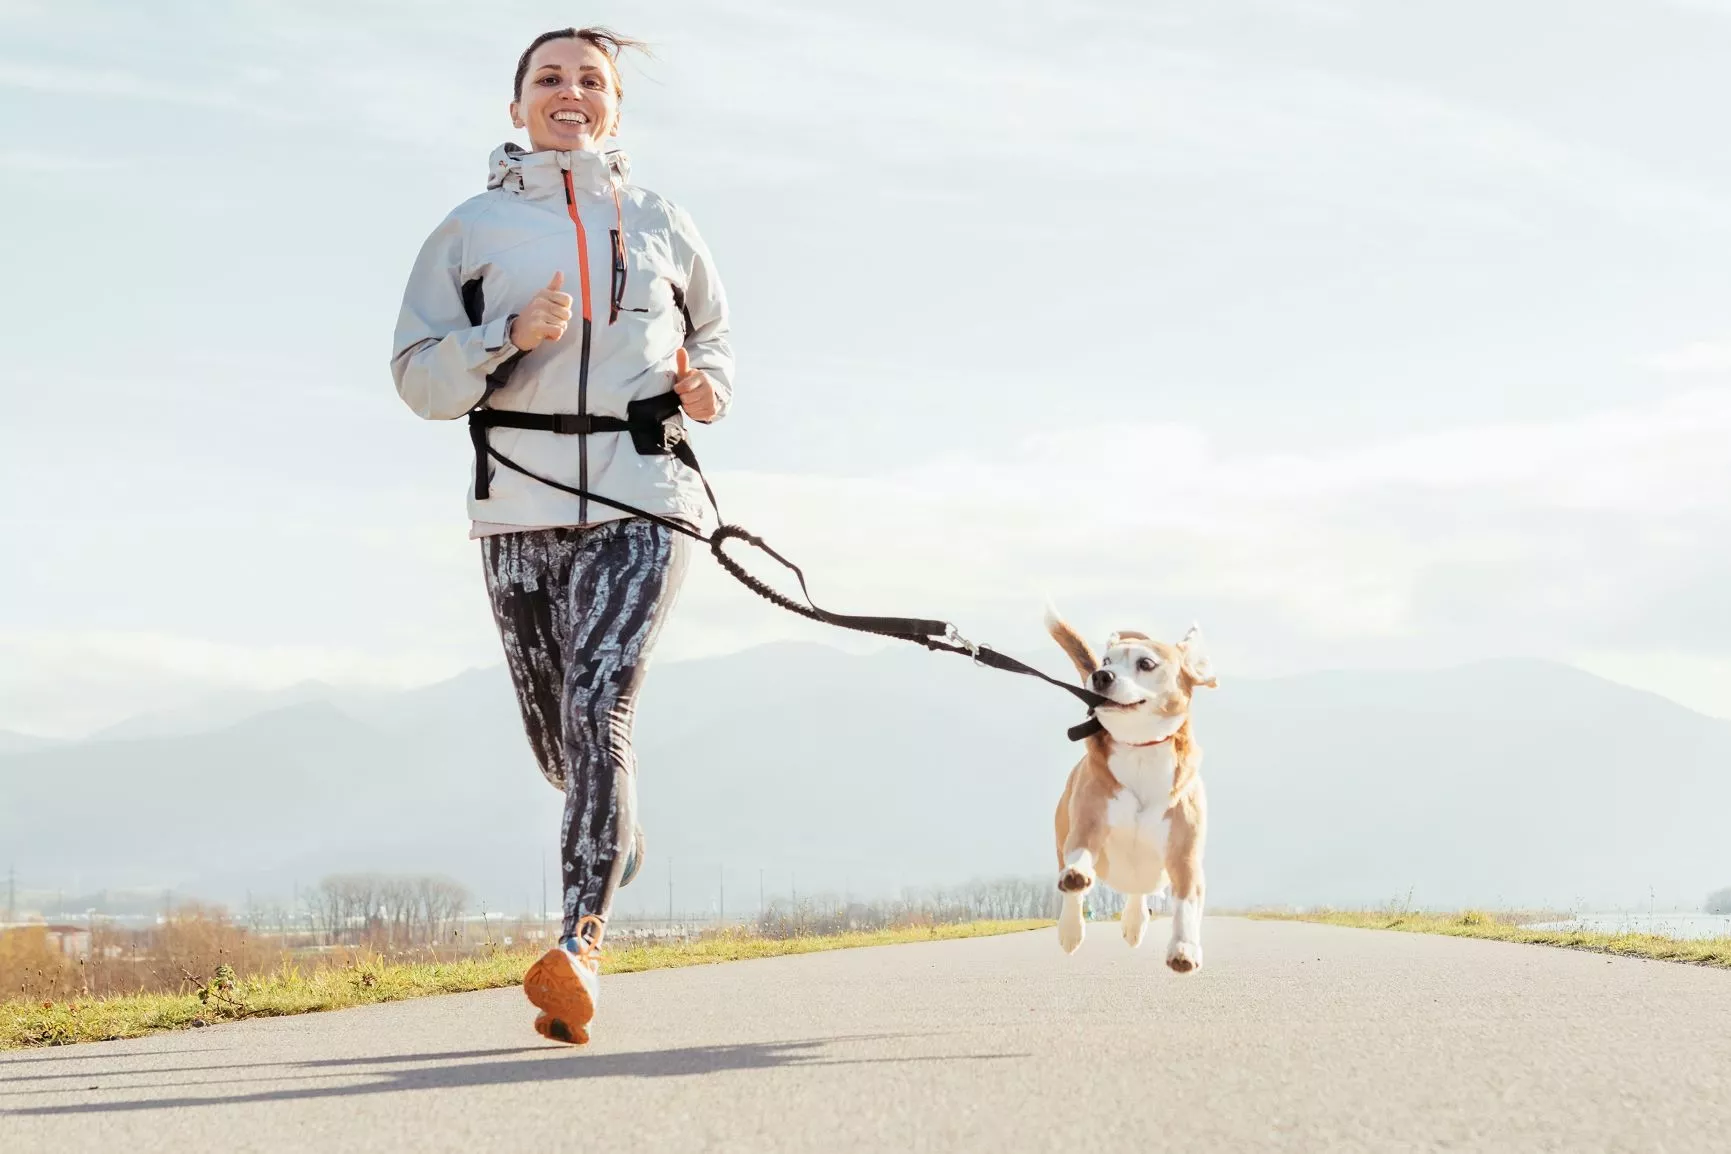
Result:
x=1508 y=927
x=294 y=990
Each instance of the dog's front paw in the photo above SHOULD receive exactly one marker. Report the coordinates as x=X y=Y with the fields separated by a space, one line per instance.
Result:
x=1133 y=928
x=1075 y=881
x=1184 y=957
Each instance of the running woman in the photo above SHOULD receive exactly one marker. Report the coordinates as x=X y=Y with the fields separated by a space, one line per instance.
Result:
x=565 y=289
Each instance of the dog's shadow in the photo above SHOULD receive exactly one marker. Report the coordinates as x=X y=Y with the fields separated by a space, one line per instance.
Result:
x=560 y=1064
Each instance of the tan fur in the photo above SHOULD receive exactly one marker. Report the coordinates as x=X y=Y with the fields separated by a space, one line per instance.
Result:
x=1080 y=821
x=1081 y=656
x=1189 y=762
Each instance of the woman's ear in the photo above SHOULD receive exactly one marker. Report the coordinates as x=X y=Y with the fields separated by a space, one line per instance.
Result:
x=516 y=117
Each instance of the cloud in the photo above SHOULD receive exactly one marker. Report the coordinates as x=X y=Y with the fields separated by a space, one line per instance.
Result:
x=1506 y=538
x=50 y=162
x=1710 y=7
x=1603 y=530
x=61 y=80
x=1699 y=357
x=1607 y=532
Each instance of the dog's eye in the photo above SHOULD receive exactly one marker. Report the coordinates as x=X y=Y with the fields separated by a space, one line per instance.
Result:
x=1147 y=665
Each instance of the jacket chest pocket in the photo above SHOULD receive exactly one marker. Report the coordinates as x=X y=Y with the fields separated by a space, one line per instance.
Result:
x=645 y=281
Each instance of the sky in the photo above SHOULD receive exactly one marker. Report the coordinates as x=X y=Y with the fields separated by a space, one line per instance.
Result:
x=1365 y=335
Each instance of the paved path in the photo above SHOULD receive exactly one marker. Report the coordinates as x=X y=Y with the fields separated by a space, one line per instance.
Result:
x=1294 y=1037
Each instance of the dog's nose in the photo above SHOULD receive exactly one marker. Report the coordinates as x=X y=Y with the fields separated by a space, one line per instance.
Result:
x=1103 y=679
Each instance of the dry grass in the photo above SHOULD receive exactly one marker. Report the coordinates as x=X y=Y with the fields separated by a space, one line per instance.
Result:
x=292 y=990
x=1508 y=927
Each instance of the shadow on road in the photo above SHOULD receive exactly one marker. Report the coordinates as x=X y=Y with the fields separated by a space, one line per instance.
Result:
x=382 y=1060
x=554 y=1065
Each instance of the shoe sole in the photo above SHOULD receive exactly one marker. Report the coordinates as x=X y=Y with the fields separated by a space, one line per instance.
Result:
x=565 y=1005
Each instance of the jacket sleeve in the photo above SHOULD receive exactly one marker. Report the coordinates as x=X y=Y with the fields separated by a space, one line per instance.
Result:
x=439 y=358
x=708 y=341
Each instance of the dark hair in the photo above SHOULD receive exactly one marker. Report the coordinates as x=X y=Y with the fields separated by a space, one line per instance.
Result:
x=610 y=43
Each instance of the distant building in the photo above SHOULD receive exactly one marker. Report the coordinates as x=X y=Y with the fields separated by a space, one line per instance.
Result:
x=72 y=941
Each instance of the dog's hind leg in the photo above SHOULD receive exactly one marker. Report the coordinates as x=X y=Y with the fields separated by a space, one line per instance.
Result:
x=1163 y=895
x=1070 y=924
x=1135 y=918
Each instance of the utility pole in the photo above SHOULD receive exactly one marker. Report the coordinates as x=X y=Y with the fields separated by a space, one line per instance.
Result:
x=670 y=896
x=760 y=890
x=721 y=885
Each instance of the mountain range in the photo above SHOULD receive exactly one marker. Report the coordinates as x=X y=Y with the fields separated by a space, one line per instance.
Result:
x=798 y=768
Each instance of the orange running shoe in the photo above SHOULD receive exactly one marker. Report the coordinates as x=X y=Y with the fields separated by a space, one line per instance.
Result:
x=564 y=985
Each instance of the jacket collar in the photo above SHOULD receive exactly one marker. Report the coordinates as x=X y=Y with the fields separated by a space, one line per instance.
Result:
x=541 y=175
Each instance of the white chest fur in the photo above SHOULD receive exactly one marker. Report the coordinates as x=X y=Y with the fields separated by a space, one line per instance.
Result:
x=1136 y=822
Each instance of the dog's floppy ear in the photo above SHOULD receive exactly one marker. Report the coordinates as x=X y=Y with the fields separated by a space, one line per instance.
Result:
x=1196 y=664
x=1071 y=642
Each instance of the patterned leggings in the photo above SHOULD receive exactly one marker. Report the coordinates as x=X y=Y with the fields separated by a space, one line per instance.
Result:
x=578 y=611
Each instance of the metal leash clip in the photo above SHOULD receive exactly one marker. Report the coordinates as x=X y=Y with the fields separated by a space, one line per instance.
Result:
x=952 y=635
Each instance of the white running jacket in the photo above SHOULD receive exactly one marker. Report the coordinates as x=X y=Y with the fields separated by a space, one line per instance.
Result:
x=642 y=283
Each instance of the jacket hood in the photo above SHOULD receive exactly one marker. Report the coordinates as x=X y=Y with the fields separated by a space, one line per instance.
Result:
x=591 y=169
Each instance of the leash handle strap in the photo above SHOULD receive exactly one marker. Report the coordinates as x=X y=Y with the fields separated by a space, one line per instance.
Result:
x=909 y=628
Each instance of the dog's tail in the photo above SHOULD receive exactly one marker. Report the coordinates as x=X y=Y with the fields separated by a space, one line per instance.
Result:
x=1071 y=643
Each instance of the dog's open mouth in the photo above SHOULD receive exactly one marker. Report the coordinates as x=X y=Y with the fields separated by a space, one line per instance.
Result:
x=1122 y=704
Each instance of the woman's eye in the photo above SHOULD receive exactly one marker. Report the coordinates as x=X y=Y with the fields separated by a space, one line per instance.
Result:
x=549 y=79
x=1147 y=664
x=591 y=83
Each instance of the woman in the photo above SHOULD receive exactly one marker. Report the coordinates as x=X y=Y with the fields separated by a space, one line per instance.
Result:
x=580 y=588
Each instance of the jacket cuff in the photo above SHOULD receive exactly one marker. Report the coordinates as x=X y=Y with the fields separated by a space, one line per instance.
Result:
x=496 y=337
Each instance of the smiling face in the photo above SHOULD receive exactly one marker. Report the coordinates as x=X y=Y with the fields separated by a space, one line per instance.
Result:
x=569 y=98
x=1148 y=685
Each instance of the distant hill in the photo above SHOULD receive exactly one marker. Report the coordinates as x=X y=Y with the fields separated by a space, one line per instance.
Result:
x=222 y=710
x=1504 y=782
x=22 y=742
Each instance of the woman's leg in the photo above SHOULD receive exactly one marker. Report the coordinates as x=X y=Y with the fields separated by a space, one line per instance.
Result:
x=624 y=579
x=528 y=581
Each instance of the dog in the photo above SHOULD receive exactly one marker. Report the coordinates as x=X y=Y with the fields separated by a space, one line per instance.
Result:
x=1134 y=813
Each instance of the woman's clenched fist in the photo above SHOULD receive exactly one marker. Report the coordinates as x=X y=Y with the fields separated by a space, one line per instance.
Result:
x=696 y=391
x=544 y=318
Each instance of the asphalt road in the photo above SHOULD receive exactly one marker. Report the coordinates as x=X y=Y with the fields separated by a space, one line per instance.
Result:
x=1293 y=1037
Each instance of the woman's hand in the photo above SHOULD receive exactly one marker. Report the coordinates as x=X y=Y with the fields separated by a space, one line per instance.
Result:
x=544 y=318
x=696 y=391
